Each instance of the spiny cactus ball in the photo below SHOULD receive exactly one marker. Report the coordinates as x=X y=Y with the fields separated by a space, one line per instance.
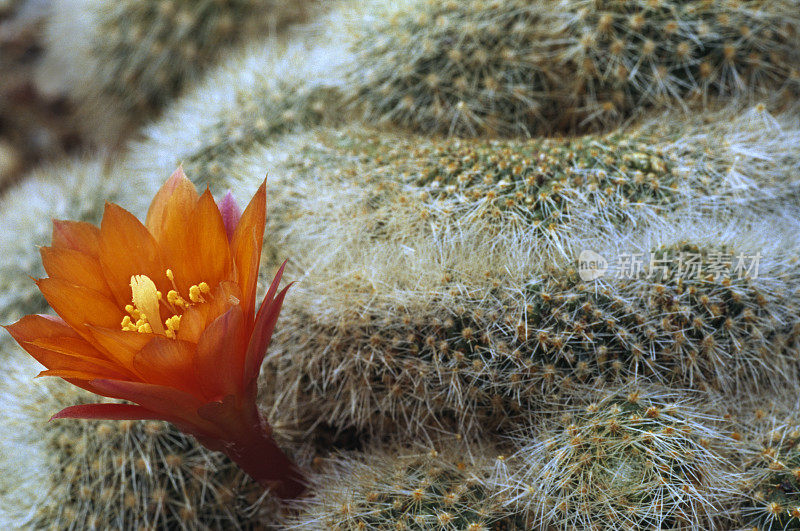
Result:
x=118 y=474
x=776 y=496
x=461 y=67
x=634 y=53
x=703 y=327
x=542 y=184
x=404 y=488
x=147 y=51
x=628 y=460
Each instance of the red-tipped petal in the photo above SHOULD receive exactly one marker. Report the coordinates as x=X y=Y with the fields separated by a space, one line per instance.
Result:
x=169 y=403
x=231 y=214
x=76 y=235
x=248 y=239
x=264 y=326
x=106 y=412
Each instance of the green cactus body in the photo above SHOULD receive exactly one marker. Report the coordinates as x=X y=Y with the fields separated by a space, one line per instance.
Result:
x=407 y=490
x=775 y=502
x=121 y=474
x=628 y=462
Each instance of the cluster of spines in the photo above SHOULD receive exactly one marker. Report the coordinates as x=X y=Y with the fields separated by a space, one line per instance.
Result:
x=408 y=488
x=631 y=54
x=775 y=495
x=129 y=474
x=486 y=67
x=627 y=459
x=467 y=67
x=148 y=51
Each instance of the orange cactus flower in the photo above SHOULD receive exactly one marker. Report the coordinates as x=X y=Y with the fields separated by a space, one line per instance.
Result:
x=163 y=315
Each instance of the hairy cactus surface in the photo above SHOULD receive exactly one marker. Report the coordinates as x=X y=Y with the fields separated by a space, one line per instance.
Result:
x=484 y=67
x=628 y=459
x=774 y=494
x=464 y=67
x=450 y=487
x=112 y=474
x=632 y=54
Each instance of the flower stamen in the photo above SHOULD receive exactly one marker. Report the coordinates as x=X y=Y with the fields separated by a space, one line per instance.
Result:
x=145 y=300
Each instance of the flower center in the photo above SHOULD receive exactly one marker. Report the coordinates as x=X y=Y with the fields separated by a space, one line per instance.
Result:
x=144 y=312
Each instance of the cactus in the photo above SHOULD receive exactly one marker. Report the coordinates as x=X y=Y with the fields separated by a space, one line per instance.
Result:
x=408 y=488
x=143 y=54
x=775 y=498
x=468 y=68
x=487 y=67
x=459 y=318
x=104 y=474
x=628 y=459
x=629 y=55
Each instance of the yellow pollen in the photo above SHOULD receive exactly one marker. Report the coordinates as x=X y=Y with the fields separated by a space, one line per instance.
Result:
x=204 y=288
x=145 y=299
x=173 y=324
x=175 y=299
x=128 y=325
x=170 y=275
x=194 y=294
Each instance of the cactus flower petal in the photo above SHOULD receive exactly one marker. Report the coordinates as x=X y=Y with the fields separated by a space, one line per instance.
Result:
x=162 y=314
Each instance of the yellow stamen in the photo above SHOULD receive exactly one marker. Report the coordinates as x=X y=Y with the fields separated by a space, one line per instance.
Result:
x=127 y=324
x=194 y=294
x=174 y=323
x=170 y=275
x=175 y=299
x=145 y=299
x=204 y=288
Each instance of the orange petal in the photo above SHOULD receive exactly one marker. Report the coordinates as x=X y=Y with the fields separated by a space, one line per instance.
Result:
x=39 y=326
x=220 y=355
x=127 y=249
x=169 y=403
x=55 y=360
x=172 y=205
x=72 y=346
x=79 y=306
x=197 y=249
x=195 y=319
x=168 y=362
x=76 y=235
x=74 y=266
x=247 y=243
x=122 y=346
